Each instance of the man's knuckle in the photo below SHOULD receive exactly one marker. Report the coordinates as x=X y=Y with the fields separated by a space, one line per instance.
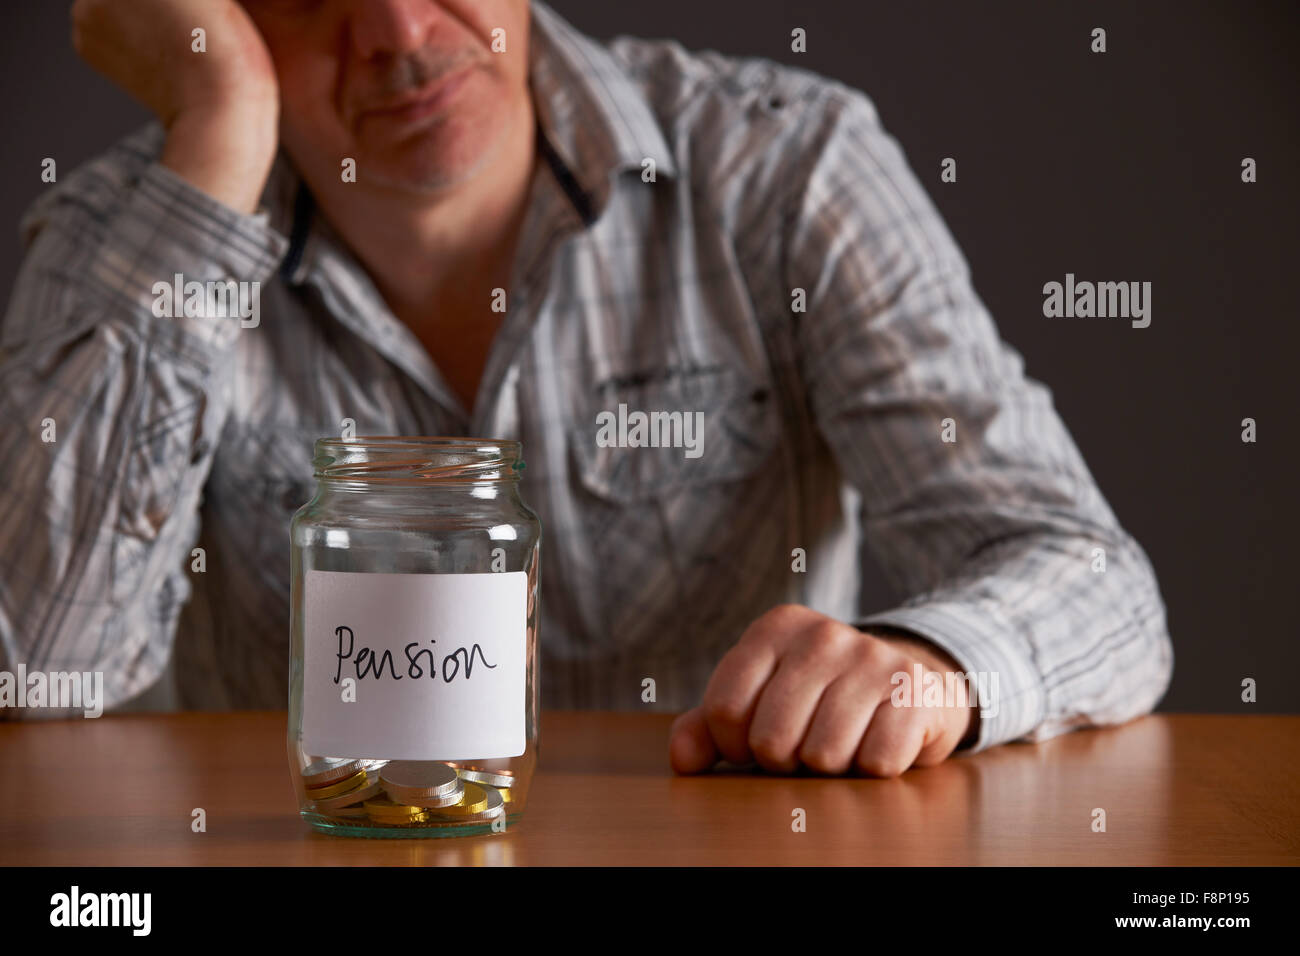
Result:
x=723 y=711
x=822 y=758
x=768 y=747
x=831 y=639
x=877 y=655
x=786 y=615
x=880 y=764
x=865 y=656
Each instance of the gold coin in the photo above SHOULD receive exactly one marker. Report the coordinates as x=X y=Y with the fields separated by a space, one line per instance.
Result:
x=474 y=801
x=346 y=812
x=385 y=811
x=376 y=817
x=358 y=779
x=368 y=789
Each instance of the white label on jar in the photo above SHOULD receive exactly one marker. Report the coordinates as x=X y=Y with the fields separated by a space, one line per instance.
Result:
x=437 y=665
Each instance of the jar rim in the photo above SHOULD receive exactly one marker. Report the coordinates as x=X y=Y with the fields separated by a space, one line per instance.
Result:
x=421 y=459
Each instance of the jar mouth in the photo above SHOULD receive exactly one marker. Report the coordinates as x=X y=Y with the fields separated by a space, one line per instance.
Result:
x=417 y=459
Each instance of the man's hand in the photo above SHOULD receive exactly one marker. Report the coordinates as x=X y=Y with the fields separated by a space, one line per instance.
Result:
x=800 y=687
x=220 y=107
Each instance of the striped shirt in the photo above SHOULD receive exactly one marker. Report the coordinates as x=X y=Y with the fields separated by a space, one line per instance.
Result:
x=782 y=272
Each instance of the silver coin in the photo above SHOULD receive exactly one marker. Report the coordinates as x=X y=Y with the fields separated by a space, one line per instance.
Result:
x=418 y=798
x=373 y=766
x=496 y=805
x=424 y=778
x=487 y=776
x=329 y=770
x=364 y=792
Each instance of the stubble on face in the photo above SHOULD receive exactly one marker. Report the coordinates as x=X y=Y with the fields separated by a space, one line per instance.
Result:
x=426 y=120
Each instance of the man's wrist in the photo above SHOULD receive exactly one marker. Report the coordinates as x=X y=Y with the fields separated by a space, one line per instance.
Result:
x=226 y=153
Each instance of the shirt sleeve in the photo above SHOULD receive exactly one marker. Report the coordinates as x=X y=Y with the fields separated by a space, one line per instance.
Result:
x=998 y=537
x=110 y=417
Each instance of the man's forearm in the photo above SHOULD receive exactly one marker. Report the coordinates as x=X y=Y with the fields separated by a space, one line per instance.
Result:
x=227 y=155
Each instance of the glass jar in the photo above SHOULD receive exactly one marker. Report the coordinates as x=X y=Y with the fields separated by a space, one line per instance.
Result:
x=413 y=638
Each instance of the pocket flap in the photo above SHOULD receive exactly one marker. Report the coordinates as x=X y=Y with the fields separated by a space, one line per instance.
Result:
x=649 y=434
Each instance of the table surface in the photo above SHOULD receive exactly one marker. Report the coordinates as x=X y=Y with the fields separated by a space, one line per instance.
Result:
x=1177 y=790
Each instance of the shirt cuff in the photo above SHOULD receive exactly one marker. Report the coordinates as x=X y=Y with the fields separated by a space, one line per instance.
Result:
x=166 y=227
x=1012 y=698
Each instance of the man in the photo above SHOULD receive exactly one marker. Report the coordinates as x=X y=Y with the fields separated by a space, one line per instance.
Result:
x=669 y=231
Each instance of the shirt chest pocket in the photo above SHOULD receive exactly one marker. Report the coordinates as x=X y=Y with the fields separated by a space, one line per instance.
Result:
x=261 y=475
x=681 y=498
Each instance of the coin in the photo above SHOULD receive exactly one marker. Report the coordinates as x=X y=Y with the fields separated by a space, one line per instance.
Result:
x=369 y=787
x=348 y=812
x=496 y=804
x=495 y=807
x=475 y=801
x=328 y=770
x=427 y=778
x=343 y=786
x=385 y=811
x=493 y=778
x=376 y=817
x=419 y=798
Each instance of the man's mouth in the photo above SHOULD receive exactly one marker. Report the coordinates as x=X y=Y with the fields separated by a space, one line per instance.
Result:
x=417 y=105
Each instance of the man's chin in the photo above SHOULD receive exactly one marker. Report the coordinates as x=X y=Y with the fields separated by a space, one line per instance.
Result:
x=422 y=181
x=423 y=171
x=442 y=158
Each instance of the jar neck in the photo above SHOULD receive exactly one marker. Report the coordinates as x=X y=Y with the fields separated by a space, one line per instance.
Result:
x=417 y=473
x=459 y=494
x=381 y=460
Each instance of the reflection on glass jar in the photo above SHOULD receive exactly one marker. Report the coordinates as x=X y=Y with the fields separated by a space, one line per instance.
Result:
x=413 y=638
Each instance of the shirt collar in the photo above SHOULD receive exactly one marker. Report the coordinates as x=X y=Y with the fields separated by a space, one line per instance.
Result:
x=593 y=123
x=589 y=109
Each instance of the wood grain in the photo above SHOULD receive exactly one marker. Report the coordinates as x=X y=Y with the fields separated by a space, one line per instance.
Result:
x=1177 y=790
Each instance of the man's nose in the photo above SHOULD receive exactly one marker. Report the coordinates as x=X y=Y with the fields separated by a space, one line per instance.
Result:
x=389 y=27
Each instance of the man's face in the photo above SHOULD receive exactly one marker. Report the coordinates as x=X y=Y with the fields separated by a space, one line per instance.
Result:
x=413 y=90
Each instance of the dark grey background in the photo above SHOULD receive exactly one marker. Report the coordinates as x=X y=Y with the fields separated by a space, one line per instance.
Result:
x=1119 y=167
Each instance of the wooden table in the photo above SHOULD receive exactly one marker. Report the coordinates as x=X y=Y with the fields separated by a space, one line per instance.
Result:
x=1180 y=789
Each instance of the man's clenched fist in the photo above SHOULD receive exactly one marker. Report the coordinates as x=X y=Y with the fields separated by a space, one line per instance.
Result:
x=802 y=688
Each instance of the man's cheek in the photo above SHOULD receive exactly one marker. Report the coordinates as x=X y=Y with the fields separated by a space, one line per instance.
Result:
x=482 y=17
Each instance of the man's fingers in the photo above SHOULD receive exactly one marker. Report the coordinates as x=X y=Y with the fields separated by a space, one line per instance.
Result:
x=893 y=740
x=729 y=700
x=841 y=721
x=690 y=745
x=786 y=706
